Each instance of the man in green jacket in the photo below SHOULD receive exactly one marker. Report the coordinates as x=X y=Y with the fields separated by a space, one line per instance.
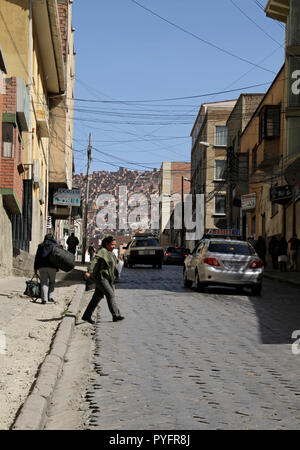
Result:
x=103 y=270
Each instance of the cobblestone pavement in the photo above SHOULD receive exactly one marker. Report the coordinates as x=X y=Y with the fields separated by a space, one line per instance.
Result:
x=188 y=360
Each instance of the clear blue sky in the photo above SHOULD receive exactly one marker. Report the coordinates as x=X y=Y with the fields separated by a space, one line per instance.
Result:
x=126 y=55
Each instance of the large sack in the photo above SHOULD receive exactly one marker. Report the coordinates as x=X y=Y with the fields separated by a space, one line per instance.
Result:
x=62 y=259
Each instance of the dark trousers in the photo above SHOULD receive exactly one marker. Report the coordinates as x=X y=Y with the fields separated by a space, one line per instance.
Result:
x=103 y=288
x=283 y=266
x=275 y=261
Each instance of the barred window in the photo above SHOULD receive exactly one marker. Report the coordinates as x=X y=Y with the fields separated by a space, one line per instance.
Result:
x=269 y=122
x=7 y=140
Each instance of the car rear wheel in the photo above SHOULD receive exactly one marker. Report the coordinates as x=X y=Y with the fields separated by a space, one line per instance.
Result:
x=256 y=290
x=199 y=285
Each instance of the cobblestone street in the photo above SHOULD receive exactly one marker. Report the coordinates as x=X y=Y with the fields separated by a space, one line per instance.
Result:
x=188 y=360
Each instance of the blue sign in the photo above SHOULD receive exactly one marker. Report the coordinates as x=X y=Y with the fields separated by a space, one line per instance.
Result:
x=67 y=197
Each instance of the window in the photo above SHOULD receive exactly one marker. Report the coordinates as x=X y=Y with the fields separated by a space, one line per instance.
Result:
x=220 y=204
x=221 y=136
x=230 y=248
x=8 y=140
x=220 y=165
x=269 y=122
x=254 y=159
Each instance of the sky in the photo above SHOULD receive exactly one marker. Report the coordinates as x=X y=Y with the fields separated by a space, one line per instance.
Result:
x=144 y=67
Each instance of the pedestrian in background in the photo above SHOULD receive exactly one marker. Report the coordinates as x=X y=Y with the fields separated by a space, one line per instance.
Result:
x=251 y=241
x=72 y=243
x=282 y=254
x=91 y=251
x=104 y=272
x=294 y=248
x=47 y=270
x=274 y=251
x=260 y=248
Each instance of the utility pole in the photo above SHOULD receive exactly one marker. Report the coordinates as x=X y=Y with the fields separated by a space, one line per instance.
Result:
x=84 y=234
x=182 y=214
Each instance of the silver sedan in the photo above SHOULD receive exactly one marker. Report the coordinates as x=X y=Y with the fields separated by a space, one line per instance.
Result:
x=224 y=262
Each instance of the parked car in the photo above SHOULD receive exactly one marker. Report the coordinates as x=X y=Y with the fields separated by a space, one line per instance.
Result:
x=224 y=262
x=175 y=255
x=144 y=250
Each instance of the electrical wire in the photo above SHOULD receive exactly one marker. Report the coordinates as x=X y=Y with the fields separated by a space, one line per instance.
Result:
x=199 y=38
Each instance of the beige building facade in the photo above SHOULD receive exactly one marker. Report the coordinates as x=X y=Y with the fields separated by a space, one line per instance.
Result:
x=288 y=11
x=31 y=39
x=208 y=160
x=263 y=141
x=238 y=162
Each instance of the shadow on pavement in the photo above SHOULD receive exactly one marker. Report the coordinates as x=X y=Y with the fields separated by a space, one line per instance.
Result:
x=277 y=310
x=64 y=279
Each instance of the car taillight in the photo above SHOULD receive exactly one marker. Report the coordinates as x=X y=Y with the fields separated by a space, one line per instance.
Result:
x=185 y=255
x=134 y=252
x=258 y=263
x=211 y=262
x=167 y=254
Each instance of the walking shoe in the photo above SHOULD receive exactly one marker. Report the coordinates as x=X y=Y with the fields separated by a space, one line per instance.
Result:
x=43 y=302
x=116 y=318
x=51 y=300
x=88 y=319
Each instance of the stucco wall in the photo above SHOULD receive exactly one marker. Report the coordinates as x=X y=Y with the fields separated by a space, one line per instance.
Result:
x=6 y=251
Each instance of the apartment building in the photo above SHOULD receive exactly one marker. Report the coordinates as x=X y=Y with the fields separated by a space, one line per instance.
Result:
x=289 y=13
x=263 y=142
x=238 y=162
x=208 y=160
x=174 y=185
x=61 y=122
x=31 y=39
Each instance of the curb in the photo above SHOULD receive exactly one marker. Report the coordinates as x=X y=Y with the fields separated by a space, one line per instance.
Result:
x=273 y=277
x=32 y=415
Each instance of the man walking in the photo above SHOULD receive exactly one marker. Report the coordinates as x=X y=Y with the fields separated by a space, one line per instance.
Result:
x=72 y=243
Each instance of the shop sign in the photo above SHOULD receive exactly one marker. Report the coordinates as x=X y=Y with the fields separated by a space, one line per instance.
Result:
x=280 y=194
x=248 y=202
x=67 y=197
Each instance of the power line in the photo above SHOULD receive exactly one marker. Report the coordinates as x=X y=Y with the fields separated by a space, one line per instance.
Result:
x=199 y=38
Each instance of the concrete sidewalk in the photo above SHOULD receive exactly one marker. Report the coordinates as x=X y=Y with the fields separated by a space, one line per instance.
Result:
x=284 y=277
x=27 y=329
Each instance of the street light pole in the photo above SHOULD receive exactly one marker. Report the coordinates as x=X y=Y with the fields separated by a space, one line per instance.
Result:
x=182 y=211
x=84 y=234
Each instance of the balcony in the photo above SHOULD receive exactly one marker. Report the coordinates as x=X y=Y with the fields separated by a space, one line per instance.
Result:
x=42 y=123
x=268 y=153
x=278 y=9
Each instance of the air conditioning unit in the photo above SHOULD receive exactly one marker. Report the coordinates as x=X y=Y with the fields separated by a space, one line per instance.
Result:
x=36 y=172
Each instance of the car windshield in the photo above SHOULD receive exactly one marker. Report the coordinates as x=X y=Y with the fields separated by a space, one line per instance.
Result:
x=230 y=248
x=145 y=243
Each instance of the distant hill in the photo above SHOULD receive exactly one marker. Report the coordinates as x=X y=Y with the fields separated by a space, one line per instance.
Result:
x=105 y=182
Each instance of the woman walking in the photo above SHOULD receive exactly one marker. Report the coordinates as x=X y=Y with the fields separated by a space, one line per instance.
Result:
x=104 y=272
x=46 y=268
